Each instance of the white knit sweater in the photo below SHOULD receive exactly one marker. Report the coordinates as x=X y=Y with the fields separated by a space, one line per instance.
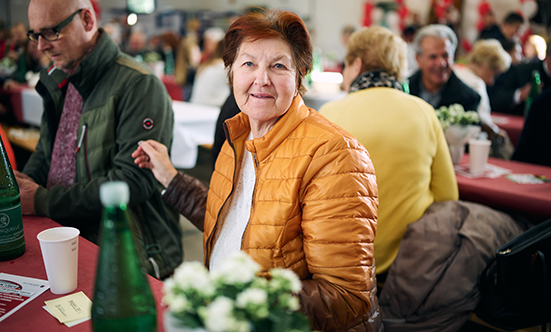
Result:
x=235 y=217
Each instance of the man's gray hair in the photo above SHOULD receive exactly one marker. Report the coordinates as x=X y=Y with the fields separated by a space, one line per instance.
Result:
x=434 y=30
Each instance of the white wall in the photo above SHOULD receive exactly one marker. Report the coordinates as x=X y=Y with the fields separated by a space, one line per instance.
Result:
x=12 y=11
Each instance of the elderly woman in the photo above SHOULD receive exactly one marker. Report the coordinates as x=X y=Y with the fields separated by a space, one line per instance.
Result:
x=485 y=61
x=289 y=187
x=401 y=132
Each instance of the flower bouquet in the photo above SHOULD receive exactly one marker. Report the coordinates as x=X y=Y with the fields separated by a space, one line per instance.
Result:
x=233 y=298
x=459 y=126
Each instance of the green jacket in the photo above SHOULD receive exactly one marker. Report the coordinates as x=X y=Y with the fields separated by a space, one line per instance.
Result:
x=119 y=97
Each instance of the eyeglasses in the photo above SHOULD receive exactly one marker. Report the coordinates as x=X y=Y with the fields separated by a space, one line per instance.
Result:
x=51 y=34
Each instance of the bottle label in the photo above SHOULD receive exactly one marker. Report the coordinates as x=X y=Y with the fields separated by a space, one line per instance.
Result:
x=11 y=225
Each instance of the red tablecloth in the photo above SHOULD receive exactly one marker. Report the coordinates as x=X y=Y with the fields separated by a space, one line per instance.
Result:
x=512 y=124
x=174 y=90
x=529 y=200
x=32 y=317
x=14 y=95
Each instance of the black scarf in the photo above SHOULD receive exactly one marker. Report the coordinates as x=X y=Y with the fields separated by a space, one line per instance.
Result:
x=375 y=78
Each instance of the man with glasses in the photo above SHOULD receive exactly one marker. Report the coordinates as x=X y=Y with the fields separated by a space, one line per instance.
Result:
x=98 y=105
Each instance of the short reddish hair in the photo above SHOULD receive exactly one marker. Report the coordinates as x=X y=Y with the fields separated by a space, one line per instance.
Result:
x=261 y=24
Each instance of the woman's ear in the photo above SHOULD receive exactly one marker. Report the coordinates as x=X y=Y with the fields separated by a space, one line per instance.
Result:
x=356 y=67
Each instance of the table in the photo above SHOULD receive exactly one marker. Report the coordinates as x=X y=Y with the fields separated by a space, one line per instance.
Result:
x=512 y=124
x=194 y=125
x=15 y=98
x=32 y=317
x=529 y=200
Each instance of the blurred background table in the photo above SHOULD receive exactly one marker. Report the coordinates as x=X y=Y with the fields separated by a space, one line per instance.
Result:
x=194 y=125
x=32 y=317
x=532 y=201
x=512 y=124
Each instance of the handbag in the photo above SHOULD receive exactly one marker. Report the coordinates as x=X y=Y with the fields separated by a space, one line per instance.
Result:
x=515 y=286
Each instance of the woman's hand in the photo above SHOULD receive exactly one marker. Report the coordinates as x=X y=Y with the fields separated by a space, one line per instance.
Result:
x=154 y=156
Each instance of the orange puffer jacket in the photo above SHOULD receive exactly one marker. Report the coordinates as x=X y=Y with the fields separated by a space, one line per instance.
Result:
x=314 y=210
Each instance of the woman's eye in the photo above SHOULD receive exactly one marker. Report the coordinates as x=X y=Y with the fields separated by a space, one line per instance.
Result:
x=248 y=64
x=279 y=66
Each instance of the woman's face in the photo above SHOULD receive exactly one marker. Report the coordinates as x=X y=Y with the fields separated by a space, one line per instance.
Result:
x=264 y=81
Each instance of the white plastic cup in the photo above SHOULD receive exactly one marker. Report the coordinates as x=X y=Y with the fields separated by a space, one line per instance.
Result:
x=479 y=149
x=59 y=246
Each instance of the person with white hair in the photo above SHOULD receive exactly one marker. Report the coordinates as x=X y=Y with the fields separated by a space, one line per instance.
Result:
x=211 y=37
x=485 y=61
x=435 y=81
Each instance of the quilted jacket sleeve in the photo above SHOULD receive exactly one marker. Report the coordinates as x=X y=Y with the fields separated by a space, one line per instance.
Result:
x=339 y=217
x=188 y=195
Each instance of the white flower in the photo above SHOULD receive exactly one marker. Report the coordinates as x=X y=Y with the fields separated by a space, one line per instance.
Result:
x=254 y=296
x=289 y=279
x=169 y=286
x=218 y=317
x=254 y=301
x=455 y=115
x=195 y=277
x=238 y=268
x=288 y=302
x=177 y=304
x=199 y=298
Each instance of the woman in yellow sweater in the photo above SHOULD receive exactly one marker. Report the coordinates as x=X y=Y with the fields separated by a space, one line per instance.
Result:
x=401 y=132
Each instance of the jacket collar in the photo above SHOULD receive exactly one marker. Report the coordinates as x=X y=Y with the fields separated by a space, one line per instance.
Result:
x=88 y=72
x=94 y=65
x=262 y=147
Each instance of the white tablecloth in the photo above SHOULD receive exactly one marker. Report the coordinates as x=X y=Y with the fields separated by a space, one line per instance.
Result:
x=31 y=102
x=193 y=126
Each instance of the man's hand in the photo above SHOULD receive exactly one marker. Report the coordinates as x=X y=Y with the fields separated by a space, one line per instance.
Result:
x=27 y=189
x=154 y=156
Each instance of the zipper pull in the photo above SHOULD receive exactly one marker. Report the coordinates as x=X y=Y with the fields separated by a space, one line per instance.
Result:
x=81 y=138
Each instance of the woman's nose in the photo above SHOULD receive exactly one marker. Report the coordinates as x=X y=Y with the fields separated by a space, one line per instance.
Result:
x=262 y=77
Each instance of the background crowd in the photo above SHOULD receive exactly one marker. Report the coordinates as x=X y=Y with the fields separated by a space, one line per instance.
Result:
x=291 y=165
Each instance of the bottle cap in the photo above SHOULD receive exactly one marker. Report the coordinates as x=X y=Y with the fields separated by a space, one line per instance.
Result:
x=114 y=193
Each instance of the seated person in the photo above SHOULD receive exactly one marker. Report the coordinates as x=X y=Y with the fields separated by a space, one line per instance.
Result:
x=507 y=31
x=99 y=103
x=485 y=61
x=511 y=89
x=435 y=82
x=289 y=188
x=16 y=51
x=533 y=145
x=210 y=86
x=401 y=132
x=514 y=49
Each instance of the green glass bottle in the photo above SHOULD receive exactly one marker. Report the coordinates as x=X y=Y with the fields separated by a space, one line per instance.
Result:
x=122 y=298
x=12 y=238
x=535 y=90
